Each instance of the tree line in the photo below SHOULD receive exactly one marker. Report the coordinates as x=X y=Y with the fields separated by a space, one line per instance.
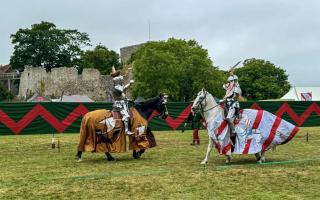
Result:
x=177 y=67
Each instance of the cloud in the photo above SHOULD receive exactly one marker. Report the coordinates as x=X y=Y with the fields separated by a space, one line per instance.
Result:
x=284 y=32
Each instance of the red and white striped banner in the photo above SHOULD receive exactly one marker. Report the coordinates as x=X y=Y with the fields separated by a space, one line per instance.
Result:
x=258 y=130
x=307 y=96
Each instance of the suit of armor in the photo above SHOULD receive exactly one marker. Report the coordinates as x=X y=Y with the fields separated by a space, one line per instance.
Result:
x=120 y=103
x=231 y=103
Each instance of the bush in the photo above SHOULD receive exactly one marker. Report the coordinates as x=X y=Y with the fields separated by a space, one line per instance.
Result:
x=4 y=93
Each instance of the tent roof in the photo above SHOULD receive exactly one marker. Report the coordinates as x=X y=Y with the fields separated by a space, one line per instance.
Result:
x=294 y=93
x=38 y=98
x=76 y=98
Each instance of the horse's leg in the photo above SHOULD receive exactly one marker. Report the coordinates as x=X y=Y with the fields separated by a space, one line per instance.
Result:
x=229 y=154
x=228 y=158
x=209 y=148
x=109 y=156
x=135 y=154
x=141 y=151
x=78 y=156
x=260 y=157
x=263 y=158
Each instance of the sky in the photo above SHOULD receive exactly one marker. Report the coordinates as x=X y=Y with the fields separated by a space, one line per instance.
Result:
x=284 y=32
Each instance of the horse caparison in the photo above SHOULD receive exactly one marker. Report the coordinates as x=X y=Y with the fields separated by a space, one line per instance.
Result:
x=273 y=131
x=94 y=136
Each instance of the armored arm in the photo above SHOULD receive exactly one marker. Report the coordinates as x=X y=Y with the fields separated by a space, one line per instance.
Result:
x=128 y=85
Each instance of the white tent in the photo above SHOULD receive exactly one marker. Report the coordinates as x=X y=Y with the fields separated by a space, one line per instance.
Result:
x=76 y=98
x=38 y=98
x=302 y=94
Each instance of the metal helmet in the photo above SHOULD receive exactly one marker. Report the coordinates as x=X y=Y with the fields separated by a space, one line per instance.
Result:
x=114 y=72
x=233 y=78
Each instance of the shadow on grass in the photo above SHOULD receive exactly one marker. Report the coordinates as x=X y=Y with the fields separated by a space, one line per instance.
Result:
x=117 y=159
x=250 y=163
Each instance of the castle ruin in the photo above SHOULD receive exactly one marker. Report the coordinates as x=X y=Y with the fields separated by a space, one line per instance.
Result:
x=64 y=80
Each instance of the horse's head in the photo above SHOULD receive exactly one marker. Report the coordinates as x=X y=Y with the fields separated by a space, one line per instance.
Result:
x=158 y=104
x=199 y=102
x=161 y=107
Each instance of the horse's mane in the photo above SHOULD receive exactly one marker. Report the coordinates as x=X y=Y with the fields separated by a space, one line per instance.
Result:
x=146 y=107
x=142 y=103
x=216 y=99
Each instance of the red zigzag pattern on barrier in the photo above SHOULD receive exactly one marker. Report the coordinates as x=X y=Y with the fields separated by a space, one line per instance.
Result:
x=39 y=110
x=298 y=120
x=285 y=108
x=175 y=123
x=60 y=126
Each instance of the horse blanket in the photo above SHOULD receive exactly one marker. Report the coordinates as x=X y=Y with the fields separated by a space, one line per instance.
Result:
x=91 y=123
x=143 y=136
x=88 y=139
x=257 y=130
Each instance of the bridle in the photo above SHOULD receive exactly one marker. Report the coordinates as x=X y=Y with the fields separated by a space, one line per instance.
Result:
x=205 y=103
x=164 y=113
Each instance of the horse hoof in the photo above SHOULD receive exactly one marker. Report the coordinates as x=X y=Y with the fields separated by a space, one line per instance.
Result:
x=204 y=162
x=136 y=154
x=78 y=158
x=110 y=159
x=228 y=160
x=261 y=160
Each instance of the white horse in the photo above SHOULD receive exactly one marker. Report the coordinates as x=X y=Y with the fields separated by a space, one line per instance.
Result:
x=257 y=131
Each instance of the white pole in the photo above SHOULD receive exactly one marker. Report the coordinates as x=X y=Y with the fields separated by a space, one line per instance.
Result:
x=149 y=30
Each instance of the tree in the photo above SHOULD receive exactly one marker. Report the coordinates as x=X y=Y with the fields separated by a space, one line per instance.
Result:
x=260 y=79
x=4 y=93
x=47 y=46
x=178 y=67
x=100 y=58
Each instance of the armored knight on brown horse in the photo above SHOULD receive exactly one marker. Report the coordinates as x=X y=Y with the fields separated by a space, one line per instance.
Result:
x=106 y=130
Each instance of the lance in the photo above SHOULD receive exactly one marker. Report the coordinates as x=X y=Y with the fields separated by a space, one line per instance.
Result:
x=234 y=66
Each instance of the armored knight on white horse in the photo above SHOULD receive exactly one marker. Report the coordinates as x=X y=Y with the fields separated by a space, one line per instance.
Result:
x=254 y=132
x=230 y=100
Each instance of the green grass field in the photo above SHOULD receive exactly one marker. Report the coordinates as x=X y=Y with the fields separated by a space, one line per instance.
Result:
x=30 y=169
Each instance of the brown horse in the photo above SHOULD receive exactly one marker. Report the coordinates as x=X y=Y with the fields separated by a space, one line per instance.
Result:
x=103 y=131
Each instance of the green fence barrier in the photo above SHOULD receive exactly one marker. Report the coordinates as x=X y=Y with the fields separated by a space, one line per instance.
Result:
x=52 y=117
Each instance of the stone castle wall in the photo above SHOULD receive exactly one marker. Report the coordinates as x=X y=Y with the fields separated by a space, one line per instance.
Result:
x=126 y=52
x=65 y=80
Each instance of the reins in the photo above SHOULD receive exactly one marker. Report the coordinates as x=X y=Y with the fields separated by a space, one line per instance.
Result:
x=201 y=107
x=210 y=108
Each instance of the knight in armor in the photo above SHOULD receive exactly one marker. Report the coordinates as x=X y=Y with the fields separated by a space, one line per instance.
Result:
x=120 y=103
x=231 y=103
